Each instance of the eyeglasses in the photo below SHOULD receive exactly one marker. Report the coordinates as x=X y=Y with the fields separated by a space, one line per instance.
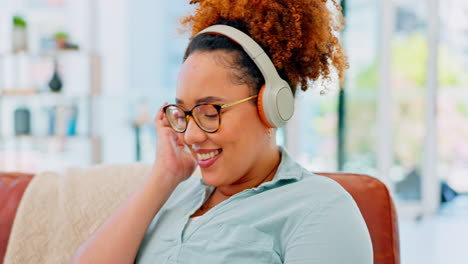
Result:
x=206 y=116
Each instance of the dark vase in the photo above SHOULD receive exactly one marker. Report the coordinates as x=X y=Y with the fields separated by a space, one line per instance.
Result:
x=55 y=82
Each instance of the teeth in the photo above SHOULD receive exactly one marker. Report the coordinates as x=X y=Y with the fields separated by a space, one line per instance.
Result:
x=205 y=156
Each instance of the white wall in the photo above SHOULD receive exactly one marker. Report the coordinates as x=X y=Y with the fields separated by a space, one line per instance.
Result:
x=113 y=46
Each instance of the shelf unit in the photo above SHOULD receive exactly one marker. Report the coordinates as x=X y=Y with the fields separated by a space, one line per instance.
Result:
x=80 y=70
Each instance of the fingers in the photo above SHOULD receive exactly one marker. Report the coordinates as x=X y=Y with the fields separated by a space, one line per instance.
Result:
x=160 y=119
x=160 y=115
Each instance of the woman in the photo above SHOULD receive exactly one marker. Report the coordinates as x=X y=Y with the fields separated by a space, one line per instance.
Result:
x=254 y=204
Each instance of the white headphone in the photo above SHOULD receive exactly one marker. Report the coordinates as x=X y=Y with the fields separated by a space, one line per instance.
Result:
x=275 y=100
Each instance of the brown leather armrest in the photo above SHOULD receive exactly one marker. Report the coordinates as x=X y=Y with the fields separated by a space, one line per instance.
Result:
x=12 y=187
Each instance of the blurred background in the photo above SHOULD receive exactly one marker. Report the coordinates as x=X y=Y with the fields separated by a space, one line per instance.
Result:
x=80 y=82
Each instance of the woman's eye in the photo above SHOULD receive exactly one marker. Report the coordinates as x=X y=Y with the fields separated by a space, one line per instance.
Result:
x=178 y=116
x=211 y=116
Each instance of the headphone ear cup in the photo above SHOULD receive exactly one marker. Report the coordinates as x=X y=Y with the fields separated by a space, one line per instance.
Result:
x=262 y=109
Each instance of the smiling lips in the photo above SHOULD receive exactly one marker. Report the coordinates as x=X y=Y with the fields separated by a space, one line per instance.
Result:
x=207 y=159
x=209 y=155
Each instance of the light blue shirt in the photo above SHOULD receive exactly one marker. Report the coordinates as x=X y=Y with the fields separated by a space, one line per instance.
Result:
x=298 y=217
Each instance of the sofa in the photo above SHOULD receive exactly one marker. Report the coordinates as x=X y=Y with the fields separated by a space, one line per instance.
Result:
x=44 y=217
x=12 y=187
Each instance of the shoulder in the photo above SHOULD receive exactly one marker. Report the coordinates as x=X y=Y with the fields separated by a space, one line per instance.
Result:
x=321 y=198
x=316 y=190
x=329 y=220
x=321 y=195
x=306 y=193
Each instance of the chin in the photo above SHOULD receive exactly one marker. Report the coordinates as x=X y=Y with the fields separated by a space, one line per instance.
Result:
x=212 y=178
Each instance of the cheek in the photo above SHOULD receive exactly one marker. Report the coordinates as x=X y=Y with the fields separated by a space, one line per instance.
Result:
x=239 y=130
x=227 y=135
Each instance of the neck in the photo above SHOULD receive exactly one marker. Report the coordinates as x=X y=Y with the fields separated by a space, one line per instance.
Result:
x=264 y=171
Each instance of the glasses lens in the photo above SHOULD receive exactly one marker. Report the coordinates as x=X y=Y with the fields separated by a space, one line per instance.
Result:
x=207 y=117
x=176 y=117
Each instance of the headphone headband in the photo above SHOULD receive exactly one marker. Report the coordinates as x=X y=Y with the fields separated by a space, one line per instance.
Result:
x=276 y=101
x=249 y=45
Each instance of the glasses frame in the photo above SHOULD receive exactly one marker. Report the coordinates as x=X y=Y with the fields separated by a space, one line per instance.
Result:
x=218 y=107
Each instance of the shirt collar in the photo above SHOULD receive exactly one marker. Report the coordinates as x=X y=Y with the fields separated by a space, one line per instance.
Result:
x=288 y=170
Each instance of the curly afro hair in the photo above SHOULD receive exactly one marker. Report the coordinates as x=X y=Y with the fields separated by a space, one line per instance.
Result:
x=298 y=35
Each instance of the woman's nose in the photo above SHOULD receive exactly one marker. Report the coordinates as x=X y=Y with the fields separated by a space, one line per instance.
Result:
x=193 y=134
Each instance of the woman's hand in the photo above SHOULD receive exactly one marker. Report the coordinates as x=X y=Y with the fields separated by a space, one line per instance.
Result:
x=171 y=158
x=173 y=165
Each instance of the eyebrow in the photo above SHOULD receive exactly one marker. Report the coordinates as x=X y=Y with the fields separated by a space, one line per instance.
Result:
x=207 y=99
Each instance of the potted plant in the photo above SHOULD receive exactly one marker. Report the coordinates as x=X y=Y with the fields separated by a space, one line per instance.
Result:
x=19 y=34
x=61 y=39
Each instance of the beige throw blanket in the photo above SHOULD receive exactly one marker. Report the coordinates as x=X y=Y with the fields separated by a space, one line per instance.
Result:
x=60 y=210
